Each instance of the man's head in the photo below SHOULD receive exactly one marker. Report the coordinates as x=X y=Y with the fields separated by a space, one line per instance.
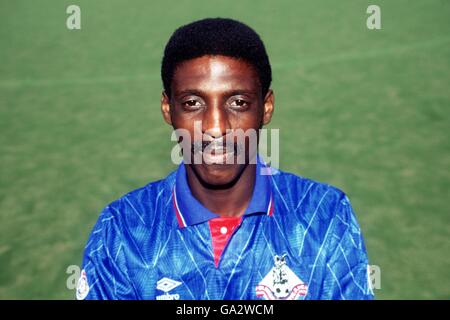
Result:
x=216 y=73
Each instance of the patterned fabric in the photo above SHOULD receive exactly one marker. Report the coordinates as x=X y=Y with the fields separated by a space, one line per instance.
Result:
x=298 y=239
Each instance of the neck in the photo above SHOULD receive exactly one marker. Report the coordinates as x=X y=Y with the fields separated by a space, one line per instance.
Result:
x=227 y=202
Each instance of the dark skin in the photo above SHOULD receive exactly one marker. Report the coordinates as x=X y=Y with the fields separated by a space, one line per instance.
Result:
x=223 y=93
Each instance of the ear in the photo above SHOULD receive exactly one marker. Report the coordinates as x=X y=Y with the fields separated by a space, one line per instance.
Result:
x=269 y=101
x=165 y=108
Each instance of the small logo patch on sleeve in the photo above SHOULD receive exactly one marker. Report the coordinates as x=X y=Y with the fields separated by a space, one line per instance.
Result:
x=82 y=286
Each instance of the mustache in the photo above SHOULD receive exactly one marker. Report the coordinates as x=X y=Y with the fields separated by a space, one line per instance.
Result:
x=226 y=146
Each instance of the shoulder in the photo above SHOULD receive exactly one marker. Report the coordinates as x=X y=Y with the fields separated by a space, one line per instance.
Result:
x=320 y=208
x=132 y=213
x=143 y=203
x=306 y=197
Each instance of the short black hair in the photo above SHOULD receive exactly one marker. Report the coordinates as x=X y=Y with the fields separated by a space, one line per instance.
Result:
x=216 y=36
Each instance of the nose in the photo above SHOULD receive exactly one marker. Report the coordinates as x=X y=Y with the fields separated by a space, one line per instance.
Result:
x=215 y=121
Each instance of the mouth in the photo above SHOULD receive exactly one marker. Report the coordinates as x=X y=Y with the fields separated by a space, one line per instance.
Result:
x=215 y=152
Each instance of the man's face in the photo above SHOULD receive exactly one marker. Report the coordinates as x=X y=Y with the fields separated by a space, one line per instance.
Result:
x=212 y=96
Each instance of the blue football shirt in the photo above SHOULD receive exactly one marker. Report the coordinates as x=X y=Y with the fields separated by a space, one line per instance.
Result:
x=298 y=239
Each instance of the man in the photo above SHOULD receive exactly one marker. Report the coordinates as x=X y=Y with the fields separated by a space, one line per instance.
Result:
x=220 y=228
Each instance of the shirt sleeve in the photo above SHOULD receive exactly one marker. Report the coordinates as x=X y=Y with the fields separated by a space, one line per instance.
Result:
x=346 y=274
x=102 y=275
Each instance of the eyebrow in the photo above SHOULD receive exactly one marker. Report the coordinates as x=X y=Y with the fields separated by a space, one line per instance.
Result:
x=198 y=92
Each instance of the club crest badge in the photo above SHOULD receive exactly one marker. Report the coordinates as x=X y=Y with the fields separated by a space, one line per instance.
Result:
x=281 y=283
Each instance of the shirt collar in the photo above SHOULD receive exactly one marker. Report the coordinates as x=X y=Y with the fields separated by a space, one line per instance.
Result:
x=190 y=211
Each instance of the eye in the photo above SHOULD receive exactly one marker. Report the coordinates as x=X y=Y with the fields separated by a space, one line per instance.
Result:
x=239 y=104
x=192 y=104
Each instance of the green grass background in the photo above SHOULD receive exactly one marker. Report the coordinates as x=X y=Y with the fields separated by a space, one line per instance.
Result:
x=367 y=111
